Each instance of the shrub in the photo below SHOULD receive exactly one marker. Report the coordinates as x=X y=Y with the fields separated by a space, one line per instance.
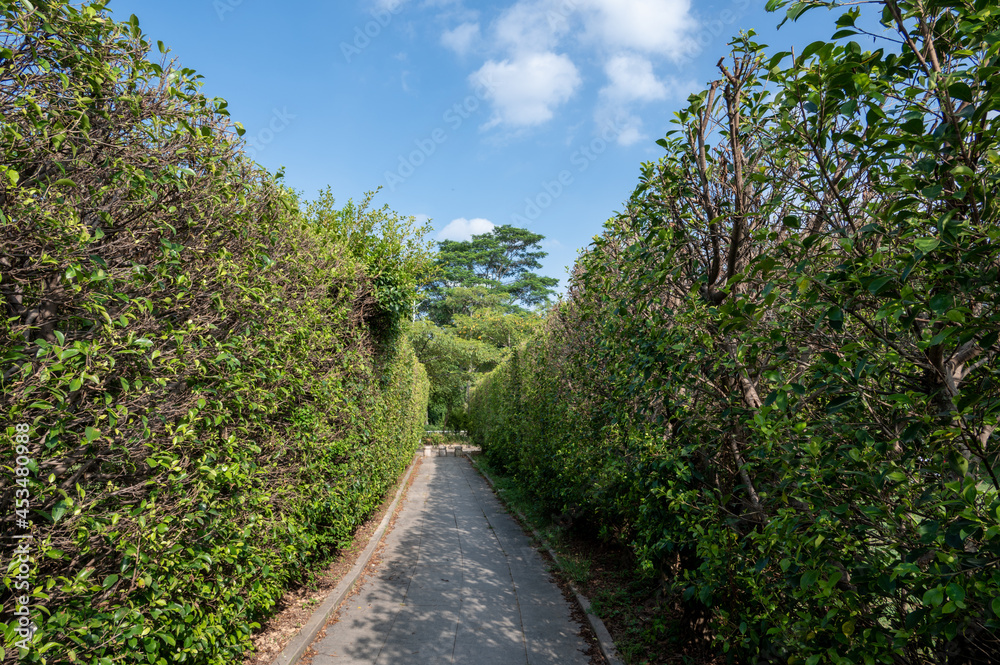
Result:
x=214 y=384
x=775 y=374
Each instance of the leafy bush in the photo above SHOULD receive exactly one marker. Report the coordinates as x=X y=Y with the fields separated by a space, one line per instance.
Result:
x=435 y=439
x=776 y=374
x=215 y=386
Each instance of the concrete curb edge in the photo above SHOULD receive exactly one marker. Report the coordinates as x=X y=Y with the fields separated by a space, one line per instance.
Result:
x=298 y=645
x=604 y=639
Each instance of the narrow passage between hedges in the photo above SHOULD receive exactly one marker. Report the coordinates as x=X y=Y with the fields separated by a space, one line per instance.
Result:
x=459 y=582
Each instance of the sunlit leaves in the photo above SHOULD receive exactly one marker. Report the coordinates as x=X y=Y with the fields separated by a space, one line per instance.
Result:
x=830 y=405
x=210 y=409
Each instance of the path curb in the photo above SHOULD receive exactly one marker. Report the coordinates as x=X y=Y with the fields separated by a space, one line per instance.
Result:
x=298 y=645
x=604 y=639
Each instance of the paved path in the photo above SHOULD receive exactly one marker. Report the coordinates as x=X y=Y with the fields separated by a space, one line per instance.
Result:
x=459 y=583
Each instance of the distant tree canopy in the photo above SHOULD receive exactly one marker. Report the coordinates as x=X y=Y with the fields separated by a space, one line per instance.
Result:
x=477 y=310
x=501 y=262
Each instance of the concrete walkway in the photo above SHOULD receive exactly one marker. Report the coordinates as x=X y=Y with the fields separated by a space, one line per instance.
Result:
x=459 y=583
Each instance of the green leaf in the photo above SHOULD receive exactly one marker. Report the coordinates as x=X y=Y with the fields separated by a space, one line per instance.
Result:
x=109 y=581
x=940 y=302
x=943 y=335
x=876 y=286
x=91 y=434
x=960 y=90
x=934 y=597
x=927 y=245
x=835 y=316
x=840 y=34
x=64 y=182
x=838 y=403
x=811 y=49
x=59 y=510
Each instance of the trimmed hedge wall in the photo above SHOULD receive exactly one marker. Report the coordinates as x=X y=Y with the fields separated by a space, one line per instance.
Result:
x=216 y=385
x=775 y=374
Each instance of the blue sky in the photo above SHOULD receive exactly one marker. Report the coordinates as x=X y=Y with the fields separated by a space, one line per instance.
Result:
x=536 y=113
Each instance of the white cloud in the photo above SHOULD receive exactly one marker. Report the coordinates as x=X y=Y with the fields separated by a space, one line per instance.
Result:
x=393 y=6
x=650 y=26
x=531 y=27
x=464 y=229
x=526 y=90
x=530 y=75
x=661 y=27
x=631 y=78
x=632 y=81
x=461 y=39
x=631 y=133
x=619 y=123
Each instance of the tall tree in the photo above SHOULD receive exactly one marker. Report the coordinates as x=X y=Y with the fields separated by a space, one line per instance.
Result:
x=477 y=311
x=502 y=261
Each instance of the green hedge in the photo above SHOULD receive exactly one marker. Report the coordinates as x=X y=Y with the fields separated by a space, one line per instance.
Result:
x=216 y=385
x=775 y=376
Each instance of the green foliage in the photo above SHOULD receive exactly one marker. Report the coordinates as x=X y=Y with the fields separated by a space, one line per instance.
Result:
x=474 y=320
x=452 y=364
x=435 y=439
x=456 y=355
x=473 y=314
x=776 y=373
x=496 y=327
x=458 y=420
x=501 y=261
x=467 y=300
x=213 y=407
x=390 y=247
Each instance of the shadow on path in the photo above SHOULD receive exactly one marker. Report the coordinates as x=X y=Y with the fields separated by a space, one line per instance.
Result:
x=459 y=583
